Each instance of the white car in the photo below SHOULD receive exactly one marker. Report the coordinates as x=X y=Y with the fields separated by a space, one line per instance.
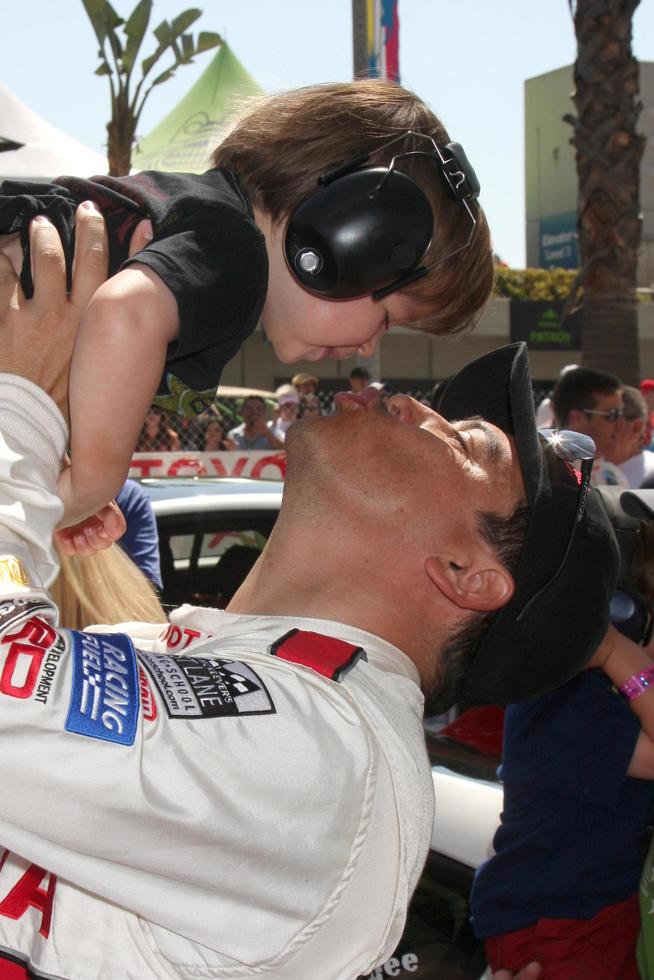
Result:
x=211 y=531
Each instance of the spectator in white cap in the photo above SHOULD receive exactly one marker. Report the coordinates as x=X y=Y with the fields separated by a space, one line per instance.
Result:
x=384 y=389
x=285 y=414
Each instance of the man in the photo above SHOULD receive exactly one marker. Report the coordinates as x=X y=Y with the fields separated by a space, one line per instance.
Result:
x=265 y=804
x=359 y=379
x=305 y=384
x=635 y=462
x=590 y=401
x=286 y=413
x=254 y=431
x=545 y=410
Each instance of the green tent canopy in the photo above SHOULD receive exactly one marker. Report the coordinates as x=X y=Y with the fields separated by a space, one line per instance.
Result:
x=184 y=140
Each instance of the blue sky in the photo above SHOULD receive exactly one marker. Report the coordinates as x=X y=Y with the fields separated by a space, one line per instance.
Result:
x=468 y=60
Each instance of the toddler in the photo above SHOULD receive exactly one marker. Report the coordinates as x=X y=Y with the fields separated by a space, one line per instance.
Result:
x=172 y=315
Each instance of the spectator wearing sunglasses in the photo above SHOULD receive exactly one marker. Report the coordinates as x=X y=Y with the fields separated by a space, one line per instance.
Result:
x=590 y=401
x=635 y=461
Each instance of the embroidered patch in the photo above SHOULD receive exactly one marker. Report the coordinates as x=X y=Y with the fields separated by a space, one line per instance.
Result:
x=326 y=655
x=205 y=687
x=105 y=696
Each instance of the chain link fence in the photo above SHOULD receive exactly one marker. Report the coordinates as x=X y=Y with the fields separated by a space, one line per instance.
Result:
x=167 y=432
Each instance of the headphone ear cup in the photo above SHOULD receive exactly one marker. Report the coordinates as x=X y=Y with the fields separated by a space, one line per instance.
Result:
x=358 y=233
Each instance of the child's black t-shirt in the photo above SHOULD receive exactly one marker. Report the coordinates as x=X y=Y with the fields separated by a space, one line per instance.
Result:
x=206 y=248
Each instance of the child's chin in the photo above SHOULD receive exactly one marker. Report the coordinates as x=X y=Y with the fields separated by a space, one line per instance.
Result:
x=309 y=354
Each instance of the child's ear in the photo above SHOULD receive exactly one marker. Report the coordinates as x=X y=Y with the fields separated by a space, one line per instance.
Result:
x=480 y=586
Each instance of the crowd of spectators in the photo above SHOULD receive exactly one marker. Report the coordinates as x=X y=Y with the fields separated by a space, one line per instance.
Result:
x=619 y=419
x=253 y=422
x=616 y=416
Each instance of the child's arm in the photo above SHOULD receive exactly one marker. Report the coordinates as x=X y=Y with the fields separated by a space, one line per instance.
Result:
x=116 y=367
x=621 y=659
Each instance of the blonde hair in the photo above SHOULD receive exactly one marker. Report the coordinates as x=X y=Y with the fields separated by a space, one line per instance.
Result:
x=283 y=144
x=106 y=588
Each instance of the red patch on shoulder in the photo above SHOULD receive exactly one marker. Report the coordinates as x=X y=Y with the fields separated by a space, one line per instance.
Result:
x=325 y=654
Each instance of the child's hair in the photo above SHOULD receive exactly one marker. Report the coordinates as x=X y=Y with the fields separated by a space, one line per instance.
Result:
x=284 y=143
x=106 y=588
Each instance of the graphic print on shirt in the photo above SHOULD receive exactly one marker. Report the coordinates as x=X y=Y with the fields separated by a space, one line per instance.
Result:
x=179 y=637
x=27 y=900
x=29 y=658
x=176 y=396
x=16 y=610
x=148 y=703
x=205 y=687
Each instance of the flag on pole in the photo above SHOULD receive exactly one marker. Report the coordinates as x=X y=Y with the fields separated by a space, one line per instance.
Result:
x=383 y=39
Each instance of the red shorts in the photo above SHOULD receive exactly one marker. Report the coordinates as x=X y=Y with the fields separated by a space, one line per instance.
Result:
x=601 y=948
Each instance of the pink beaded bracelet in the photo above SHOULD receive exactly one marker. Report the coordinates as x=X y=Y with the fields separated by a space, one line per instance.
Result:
x=638 y=684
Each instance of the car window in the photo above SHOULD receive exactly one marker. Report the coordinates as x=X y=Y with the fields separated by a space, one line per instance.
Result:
x=181 y=546
x=214 y=544
x=206 y=556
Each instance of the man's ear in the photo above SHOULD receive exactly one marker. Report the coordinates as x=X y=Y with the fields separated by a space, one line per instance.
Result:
x=482 y=586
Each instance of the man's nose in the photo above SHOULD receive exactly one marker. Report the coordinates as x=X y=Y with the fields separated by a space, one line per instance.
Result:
x=407 y=409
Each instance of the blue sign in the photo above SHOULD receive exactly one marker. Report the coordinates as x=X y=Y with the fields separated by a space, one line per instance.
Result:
x=558 y=242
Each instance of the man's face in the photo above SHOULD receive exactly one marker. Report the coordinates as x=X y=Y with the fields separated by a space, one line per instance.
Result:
x=601 y=428
x=358 y=384
x=252 y=411
x=406 y=464
x=288 y=411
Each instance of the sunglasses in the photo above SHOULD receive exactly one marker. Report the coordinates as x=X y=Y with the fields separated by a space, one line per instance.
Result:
x=571 y=447
x=610 y=414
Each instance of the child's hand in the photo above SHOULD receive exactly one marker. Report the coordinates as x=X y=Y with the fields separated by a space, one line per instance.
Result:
x=94 y=534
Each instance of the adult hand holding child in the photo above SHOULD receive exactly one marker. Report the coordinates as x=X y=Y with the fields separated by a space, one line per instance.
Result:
x=43 y=355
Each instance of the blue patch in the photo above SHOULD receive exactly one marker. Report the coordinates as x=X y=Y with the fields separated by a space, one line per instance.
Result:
x=105 y=698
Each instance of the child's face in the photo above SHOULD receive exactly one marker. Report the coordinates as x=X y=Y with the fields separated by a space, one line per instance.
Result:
x=304 y=327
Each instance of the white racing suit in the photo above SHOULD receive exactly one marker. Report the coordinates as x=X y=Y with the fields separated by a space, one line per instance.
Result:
x=233 y=796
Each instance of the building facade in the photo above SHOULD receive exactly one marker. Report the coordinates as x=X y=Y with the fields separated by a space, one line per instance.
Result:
x=551 y=173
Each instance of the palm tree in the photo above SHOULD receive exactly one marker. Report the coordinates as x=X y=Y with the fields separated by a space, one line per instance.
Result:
x=118 y=60
x=609 y=150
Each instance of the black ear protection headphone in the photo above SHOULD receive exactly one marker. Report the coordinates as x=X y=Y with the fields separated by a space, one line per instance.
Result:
x=366 y=231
